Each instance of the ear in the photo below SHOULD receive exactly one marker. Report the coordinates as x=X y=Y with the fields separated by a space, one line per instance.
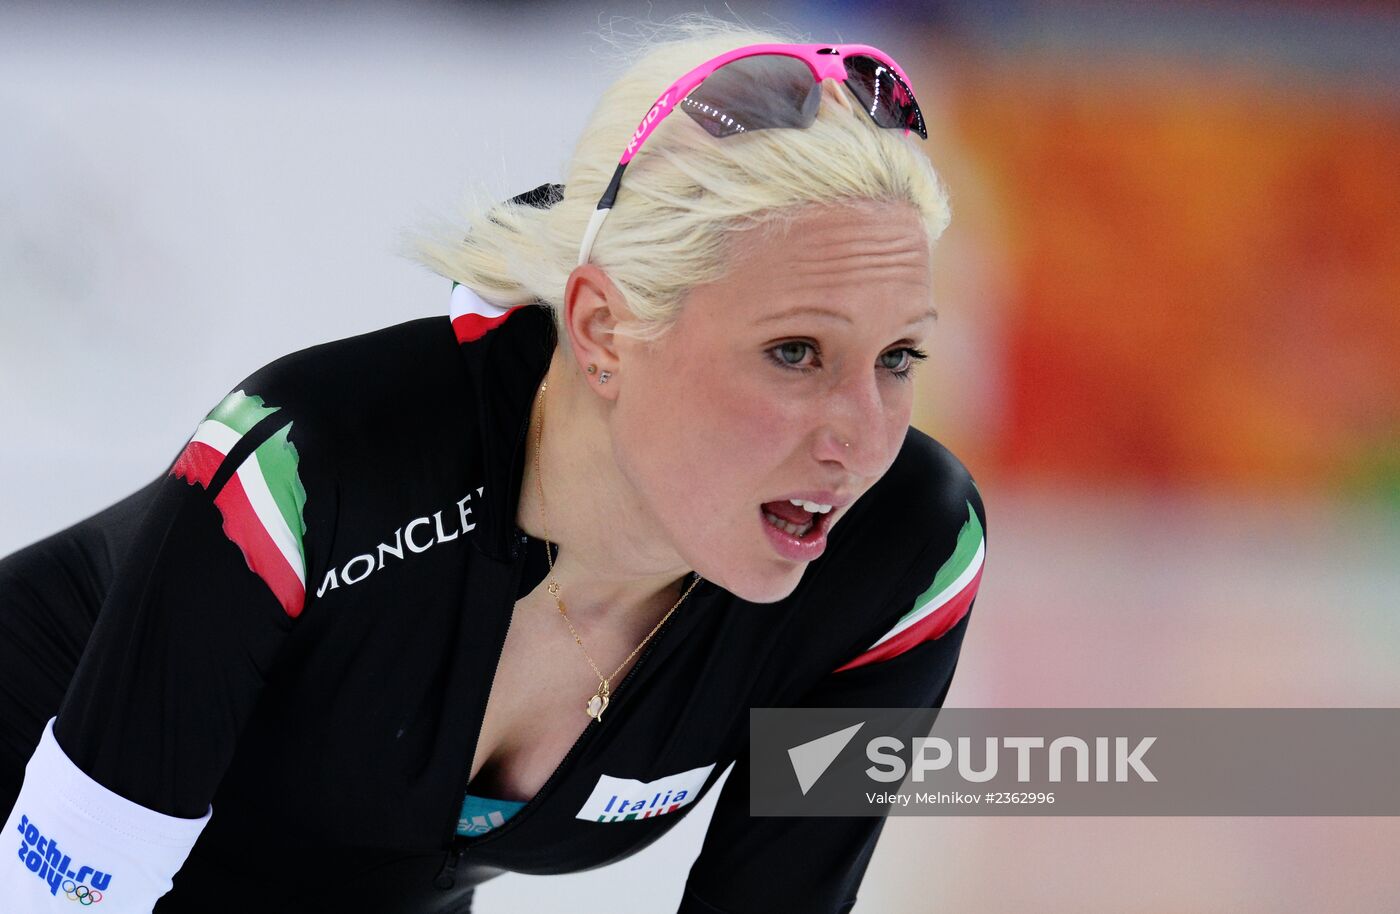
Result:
x=593 y=308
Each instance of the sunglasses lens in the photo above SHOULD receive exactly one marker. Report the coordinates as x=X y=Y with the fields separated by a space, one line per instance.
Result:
x=755 y=93
x=885 y=97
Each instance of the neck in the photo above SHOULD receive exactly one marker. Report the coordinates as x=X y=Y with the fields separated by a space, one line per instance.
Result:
x=613 y=565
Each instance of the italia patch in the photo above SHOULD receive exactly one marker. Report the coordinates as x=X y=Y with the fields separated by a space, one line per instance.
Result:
x=622 y=799
x=263 y=502
x=940 y=607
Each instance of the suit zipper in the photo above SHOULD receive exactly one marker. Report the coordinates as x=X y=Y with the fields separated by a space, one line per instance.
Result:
x=446 y=876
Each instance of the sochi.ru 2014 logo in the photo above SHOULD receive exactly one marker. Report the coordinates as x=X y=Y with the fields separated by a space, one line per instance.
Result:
x=41 y=856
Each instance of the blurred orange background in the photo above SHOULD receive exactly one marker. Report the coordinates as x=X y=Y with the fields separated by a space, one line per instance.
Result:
x=1199 y=268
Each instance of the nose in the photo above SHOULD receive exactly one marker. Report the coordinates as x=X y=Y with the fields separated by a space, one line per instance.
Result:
x=856 y=432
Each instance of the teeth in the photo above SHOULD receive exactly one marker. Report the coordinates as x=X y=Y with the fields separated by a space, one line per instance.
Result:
x=792 y=529
x=813 y=506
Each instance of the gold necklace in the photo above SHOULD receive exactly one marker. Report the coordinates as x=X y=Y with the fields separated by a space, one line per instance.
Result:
x=599 y=702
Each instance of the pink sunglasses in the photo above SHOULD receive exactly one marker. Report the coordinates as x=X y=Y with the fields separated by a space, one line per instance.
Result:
x=762 y=86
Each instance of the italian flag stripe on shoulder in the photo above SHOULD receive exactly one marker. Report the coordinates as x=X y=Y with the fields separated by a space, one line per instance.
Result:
x=263 y=502
x=940 y=607
x=473 y=316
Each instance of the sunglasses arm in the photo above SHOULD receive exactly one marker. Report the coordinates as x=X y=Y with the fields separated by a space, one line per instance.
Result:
x=595 y=222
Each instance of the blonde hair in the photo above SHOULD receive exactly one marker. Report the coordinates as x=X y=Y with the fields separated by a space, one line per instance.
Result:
x=686 y=194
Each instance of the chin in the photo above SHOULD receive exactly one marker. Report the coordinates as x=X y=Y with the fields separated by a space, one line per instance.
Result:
x=763 y=585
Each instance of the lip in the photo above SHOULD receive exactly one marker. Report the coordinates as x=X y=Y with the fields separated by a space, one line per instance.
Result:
x=790 y=547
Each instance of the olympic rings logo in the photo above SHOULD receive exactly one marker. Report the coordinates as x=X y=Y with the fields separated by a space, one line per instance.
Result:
x=80 y=893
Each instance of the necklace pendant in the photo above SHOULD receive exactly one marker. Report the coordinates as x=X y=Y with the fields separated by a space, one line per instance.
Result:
x=598 y=704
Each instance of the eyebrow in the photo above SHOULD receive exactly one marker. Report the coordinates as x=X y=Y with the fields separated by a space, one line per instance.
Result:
x=839 y=315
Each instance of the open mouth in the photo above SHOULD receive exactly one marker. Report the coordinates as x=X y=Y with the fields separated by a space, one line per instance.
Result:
x=807 y=528
x=795 y=521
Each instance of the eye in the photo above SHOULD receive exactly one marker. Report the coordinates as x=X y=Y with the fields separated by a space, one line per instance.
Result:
x=904 y=361
x=790 y=355
x=901 y=360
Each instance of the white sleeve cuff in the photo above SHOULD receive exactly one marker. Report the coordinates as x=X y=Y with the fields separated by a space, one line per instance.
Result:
x=78 y=841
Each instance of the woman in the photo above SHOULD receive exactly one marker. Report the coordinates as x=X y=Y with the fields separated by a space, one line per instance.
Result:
x=493 y=593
